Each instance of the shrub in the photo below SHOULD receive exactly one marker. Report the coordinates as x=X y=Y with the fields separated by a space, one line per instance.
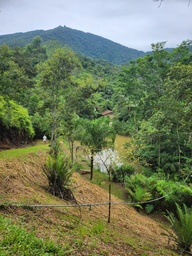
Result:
x=139 y=188
x=58 y=170
x=15 y=123
x=163 y=193
x=181 y=223
x=119 y=172
x=173 y=192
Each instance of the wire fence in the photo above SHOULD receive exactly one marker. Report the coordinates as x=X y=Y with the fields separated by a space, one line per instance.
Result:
x=79 y=204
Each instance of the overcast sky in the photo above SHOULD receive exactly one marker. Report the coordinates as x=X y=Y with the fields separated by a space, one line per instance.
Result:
x=133 y=23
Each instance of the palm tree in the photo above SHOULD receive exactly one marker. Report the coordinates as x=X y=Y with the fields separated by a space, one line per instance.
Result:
x=96 y=134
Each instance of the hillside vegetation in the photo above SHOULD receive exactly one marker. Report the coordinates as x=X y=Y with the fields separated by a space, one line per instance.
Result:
x=49 y=90
x=86 y=44
x=72 y=230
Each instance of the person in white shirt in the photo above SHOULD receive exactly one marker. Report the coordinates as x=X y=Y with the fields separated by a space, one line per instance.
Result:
x=44 y=138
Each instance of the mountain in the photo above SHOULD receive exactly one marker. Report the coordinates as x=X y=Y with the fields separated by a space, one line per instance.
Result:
x=86 y=44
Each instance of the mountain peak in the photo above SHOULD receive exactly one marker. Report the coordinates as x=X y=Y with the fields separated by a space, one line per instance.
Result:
x=84 y=43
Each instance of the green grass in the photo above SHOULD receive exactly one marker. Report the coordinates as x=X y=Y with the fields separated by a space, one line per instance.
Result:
x=15 y=240
x=22 y=152
x=101 y=179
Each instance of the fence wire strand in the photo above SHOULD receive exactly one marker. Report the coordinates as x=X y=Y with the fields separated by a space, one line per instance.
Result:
x=79 y=205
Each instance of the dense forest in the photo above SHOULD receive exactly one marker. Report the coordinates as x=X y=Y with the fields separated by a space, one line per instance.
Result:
x=49 y=90
x=86 y=44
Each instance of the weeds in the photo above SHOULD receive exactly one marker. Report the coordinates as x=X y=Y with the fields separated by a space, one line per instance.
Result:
x=17 y=241
x=93 y=229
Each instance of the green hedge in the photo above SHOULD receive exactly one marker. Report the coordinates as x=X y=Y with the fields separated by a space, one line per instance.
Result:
x=15 y=123
x=143 y=189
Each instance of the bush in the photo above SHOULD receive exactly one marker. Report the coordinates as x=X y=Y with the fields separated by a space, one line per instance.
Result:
x=15 y=124
x=163 y=193
x=181 y=223
x=119 y=172
x=58 y=170
x=139 y=189
x=173 y=192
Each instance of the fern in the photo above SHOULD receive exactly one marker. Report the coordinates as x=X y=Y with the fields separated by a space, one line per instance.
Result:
x=58 y=170
x=138 y=187
x=181 y=223
x=141 y=194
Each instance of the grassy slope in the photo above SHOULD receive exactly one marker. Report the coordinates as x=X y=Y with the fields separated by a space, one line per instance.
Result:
x=79 y=231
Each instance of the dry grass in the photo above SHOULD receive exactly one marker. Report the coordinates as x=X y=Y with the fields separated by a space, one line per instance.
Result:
x=84 y=231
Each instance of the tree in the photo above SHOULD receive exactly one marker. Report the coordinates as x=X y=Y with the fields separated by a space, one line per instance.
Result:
x=178 y=88
x=96 y=134
x=34 y=53
x=141 y=83
x=13 y=80
x=55 y=77
x=15 y=124
x=70 y=129
x=155 y=96
x=82 y=95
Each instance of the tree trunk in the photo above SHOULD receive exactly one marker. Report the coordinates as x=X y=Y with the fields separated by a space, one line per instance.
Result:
x=179 y=148
x=159 y=153
x=54 y=125
x=72 y=149
x=91 y=174
x=109 y=212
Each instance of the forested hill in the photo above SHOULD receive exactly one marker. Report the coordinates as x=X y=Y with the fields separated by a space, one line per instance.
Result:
x=86 y=44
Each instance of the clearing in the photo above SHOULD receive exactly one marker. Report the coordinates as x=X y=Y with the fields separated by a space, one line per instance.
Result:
x=80 y=230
